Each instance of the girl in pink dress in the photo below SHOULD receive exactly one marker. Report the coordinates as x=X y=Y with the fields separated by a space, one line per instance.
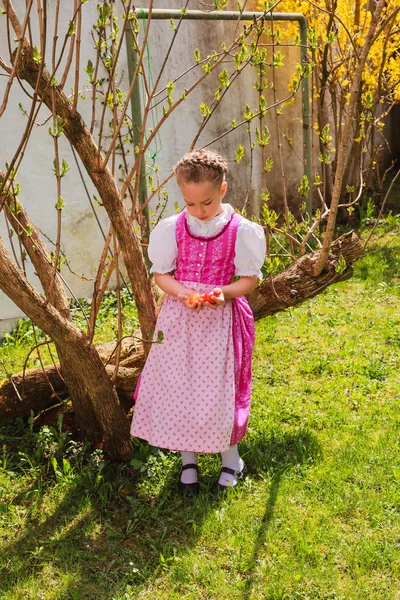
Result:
x=194 y=391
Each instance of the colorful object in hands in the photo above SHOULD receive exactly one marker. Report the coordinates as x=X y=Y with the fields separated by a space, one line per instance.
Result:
x=207 y=297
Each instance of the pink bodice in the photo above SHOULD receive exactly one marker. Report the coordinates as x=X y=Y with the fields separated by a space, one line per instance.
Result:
x=207 y=260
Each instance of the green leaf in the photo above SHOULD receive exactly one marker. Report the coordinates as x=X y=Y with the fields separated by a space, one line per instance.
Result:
x=197 y=55
x=239 y=153
x=90 y=70
x=54 y=464
x=248 y=113
x=270 y=217
x=265 y=195
x=71 y=28
x=58 y=127
x=317 y=180
x=36 y=55
x=268 y=164
x=263 y=136
x=64 y=167
x=60 y=203
x=304 y=187
x=205 y=110
x=271 y=266
x=223 y=79
x=278 y=59
x=341 y=265
x=325 y=136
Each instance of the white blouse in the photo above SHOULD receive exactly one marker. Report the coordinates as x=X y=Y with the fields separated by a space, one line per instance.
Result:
x=250 y=245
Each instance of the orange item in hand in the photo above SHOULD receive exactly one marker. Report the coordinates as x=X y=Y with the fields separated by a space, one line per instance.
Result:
x=196 y=297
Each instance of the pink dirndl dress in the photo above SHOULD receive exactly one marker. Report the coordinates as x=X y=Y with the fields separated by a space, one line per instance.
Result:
x=194 y=391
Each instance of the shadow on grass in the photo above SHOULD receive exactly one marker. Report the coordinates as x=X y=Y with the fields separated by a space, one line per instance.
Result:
x=379 y=265
x=278 y=455
x=135 y=536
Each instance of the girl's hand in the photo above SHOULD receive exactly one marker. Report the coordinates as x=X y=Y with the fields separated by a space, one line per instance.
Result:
x=184 y=298
x=218 y=299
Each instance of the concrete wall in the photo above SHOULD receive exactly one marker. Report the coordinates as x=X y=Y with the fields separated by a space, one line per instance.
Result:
x=81 y=238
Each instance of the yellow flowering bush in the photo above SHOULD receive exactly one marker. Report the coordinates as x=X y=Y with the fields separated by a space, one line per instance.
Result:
x=336 y=35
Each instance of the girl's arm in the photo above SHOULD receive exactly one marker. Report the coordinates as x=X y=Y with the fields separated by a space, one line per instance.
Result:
x=168 y=284
x=241 y=287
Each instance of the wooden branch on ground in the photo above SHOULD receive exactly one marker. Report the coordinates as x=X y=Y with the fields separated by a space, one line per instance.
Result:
x=291 y=287
x=297 y=283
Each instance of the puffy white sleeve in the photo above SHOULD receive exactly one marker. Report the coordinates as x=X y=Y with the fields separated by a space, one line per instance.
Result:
x=250 y=249
x=163 y=250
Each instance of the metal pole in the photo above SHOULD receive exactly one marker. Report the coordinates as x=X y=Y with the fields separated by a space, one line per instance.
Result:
x=137 y=127
x=230 y=15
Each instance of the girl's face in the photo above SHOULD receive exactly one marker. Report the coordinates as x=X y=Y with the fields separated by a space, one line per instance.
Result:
x=203 y=199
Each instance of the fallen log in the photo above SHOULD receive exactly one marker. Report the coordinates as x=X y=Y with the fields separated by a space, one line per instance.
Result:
x=43 y=389
x=296 y=284
x=39 y=389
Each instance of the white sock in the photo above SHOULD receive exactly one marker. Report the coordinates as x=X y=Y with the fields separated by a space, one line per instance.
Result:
x=190 y=475
x=231 y=459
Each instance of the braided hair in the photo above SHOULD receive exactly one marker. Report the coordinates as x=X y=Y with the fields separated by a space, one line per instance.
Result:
x=201 y=165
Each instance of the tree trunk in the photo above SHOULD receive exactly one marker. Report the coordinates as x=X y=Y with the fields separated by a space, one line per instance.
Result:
x=89 y=421
x=297 y=283
x=291 y=287
x=98 y=408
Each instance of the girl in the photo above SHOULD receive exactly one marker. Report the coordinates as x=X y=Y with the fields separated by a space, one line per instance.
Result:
x=194 y=392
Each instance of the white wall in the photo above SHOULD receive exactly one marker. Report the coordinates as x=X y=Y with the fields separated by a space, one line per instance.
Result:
x=81 y=238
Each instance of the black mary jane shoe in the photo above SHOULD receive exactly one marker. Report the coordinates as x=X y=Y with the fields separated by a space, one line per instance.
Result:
x=188 y=489
x=220 y=489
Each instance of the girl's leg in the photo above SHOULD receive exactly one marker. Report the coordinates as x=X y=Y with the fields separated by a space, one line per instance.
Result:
x=189 y=475
x=231 y=459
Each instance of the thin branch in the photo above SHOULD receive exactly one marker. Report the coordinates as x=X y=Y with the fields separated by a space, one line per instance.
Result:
x=382 y=207
x=15 y=63
x=41 y=363
x=71 y=48
x=77 y=59
x=360 y=191
x=4 y=66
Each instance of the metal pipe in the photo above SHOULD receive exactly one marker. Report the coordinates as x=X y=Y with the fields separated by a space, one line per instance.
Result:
x=136 y=109
x=230 y=15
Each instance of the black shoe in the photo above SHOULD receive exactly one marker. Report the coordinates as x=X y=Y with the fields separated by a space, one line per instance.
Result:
x=188 y=489
x=220 y=489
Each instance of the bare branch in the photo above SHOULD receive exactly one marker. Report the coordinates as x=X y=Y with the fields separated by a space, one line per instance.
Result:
x=4 y=66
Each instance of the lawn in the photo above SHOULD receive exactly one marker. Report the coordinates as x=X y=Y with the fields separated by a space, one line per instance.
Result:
x=317 y=519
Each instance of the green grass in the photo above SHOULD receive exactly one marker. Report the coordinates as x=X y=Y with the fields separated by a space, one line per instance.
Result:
x=318 y=519
x=18 y=347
